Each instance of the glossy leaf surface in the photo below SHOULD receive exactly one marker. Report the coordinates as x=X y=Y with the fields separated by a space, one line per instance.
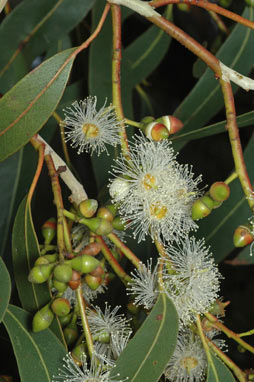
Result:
x=5 y=288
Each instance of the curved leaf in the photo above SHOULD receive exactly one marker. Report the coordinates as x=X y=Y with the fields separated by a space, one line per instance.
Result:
x=205 y=99
x=5 y=288
x=25 y=250
x=218 y=372
x=148 y=352
x=38 y=355
x=48 y=21
x=29 y=104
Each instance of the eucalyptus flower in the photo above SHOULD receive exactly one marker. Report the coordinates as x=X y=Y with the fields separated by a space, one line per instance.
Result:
x=90 y=130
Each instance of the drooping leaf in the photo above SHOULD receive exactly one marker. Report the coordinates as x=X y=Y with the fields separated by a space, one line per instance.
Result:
x=218 y=228
x=25 y=250
x=148 y=352
x=38 y=355
x=5 y=289
x=205 y=99
x=48 y=21
x=29 y=104
x=218 y=372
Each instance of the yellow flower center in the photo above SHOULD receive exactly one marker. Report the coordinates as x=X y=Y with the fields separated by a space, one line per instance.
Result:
x=149 y=181
x=157 y=210
x=90 y=130
x=189 y=363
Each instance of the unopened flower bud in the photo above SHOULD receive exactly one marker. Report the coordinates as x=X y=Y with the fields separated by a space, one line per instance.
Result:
x=93 y=281
x=63 y=273
x=75 y=280
x=147 y=120
x=40 y=273
x=42 y=319
x=91 y=249
x=104 y=213
x=78 y=354
x=156 y=131
x=84 y=263
x=219 y=191
x=172 y=123
x=202 y=207
x=65 y=320
x=61 y=306
x=99 y=226
x=59 y=285
x=119 y=189
x=48 y=230
x=88 y=207
x=242 y=236
x=118 y=224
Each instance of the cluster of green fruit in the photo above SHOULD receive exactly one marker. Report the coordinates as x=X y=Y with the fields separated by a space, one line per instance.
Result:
x=217 y=194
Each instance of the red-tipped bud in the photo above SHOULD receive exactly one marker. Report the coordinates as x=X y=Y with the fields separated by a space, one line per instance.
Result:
x=242 y=236
x=88 y=207
x=99 y=226
x=156 y=131
x=63 y=273
x=84 y=263
x=48 y=230
x=78 y=354
x=40 y=273
x=219 y=191
x=91 y=249
x=202 y=207
x=42 y=319
x=93 y=281
x=172 y=123
x=61 y=306
x=118 y=224
x=104 y=213
x=75 y=280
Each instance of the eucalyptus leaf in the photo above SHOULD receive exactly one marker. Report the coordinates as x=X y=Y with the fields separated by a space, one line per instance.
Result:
x=29 y=104
x=5 y=289
x=218 y=372
x=148 y=352
x=38 y=355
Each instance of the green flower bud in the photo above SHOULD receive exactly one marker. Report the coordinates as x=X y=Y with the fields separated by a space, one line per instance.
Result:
x=63 y=273
x=40 y=273
x=93 y=281
x=61 y=306
x=242 y=236
x=118 y=224
x=147 y=120
x=202 y=207
x=219 y=191
x=156 y=131
x=84 y=263
x=78 y=353
x=42 y=319
x=59 y=285
x=51 y=258
x=104 y=213
x=71 y=331
x=48 y=230
x=103 y=337
x=41 y=260
x=88 y=207
x=65 y=320
x=216 y=204
x=112 y=209
x=99 y=226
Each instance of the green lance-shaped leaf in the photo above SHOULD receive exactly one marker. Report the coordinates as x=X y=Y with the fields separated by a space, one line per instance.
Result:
x=29 y=104
x=48 y=21
x=218 y=228
x=148 y=352
x=25 y=250
x=217 y=371
x=38 y=355
x=5 y=289
x=206 y=99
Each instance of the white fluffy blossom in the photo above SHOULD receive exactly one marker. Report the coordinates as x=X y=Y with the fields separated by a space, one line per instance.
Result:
x=144 y=285
x=158 y=191
x=96 y=372
x=88 y=129
x=188 y=362
x=191 y=278
x=89 y=294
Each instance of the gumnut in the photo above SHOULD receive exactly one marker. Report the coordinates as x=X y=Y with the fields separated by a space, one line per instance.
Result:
x=59 y=285
x=75 y=280
x=78 y=354
x=61 y=306
x=91 y=249
x=156 y=131
x=202 y=207
x=88 y=207
x=118 y=224
x=40 y=273
x=42 y=319
x=104 y=213
x=63 y=273
x=93 y=281
x=48 y=230
x=84 y=263
x=172 y=123
x=219 y=191
x=99 y=226
x=242 y=236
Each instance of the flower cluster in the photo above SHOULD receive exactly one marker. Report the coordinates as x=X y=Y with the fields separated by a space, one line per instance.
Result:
x=153 y=192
